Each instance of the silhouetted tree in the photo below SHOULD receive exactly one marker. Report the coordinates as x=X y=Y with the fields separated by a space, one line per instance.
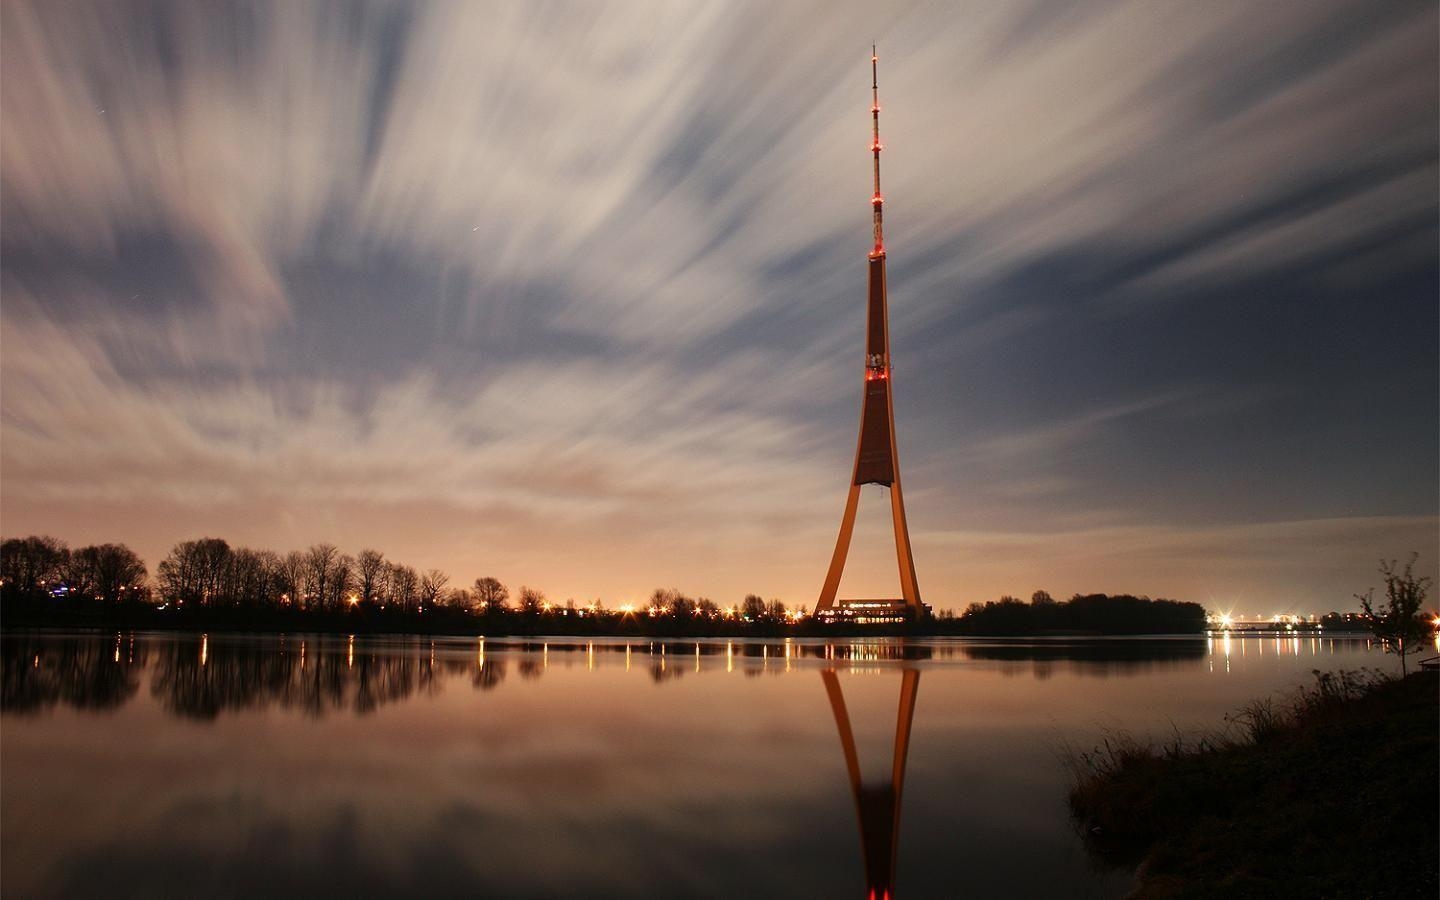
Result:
x=342 y=584
x=531 y=600
x=1097 y=613
x=319 y=572
x=194 y=572
x=404 y=583
x=432 y=586
x=459 y=599
x=369 y=575
x=669 y=601
x=752 y=608
x=77 y=573
x=30 y=565
x=1397 y=622
x=490 y=594
x=1334 y=621
x=252 y=579
x=290 y=579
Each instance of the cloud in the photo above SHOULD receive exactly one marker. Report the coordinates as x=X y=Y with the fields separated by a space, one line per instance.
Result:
x=1296 y=566
x=601 y=270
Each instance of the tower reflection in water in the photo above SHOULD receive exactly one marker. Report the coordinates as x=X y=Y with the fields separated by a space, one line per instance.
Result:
x=877 y=805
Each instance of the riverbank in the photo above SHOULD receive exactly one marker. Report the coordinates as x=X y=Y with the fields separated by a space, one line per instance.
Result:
x=449 y=621
x=1329 y=794
x=439 y=622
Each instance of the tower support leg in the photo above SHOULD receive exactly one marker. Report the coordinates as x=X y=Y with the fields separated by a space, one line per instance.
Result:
x=909 y=588
x=842 y=549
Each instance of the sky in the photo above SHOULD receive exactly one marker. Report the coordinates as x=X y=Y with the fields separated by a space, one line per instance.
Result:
x=573 y=295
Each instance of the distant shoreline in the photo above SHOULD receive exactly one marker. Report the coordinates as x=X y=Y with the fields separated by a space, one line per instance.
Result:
x=443 y=624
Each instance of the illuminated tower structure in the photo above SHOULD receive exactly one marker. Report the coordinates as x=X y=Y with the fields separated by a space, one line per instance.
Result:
x=876 y=459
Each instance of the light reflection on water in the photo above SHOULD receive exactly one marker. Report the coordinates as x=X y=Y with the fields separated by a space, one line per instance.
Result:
x=236 y=765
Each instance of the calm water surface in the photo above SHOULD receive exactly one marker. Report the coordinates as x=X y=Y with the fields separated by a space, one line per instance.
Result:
x=224 y=765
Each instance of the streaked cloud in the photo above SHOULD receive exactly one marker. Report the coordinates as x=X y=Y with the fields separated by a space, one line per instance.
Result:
x=275 y=270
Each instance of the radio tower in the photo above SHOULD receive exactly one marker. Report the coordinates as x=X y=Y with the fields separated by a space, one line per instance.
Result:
x=876 y=459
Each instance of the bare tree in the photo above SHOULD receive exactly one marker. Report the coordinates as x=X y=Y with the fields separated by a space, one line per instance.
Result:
x=28 y=566
x=369 y=573
x=114 y=571
x=404 y=587
x=290 y=576
x=752 y=608
x=319 y=567
x=459 y=598
x=77 y=573
x=432 y=585
x=665 y=599
x=194 y=572
x=252 y=578
x=342 y=582
x=490 y=594
x=532 y=600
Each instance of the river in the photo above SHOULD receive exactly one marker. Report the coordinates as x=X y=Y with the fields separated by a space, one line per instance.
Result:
x=247 y=765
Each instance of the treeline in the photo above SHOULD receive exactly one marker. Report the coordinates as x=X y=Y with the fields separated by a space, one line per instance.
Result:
x=207 y=581
x=1081 y=614
x=209 y=573
x=35 y=568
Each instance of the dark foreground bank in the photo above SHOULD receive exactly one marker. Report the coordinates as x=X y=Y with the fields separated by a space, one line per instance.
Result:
x=1331 y=793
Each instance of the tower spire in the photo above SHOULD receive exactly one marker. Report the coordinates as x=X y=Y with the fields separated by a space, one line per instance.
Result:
x=878 y=201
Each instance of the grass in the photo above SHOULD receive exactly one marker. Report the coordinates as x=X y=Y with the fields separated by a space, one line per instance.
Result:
x=1329 y=792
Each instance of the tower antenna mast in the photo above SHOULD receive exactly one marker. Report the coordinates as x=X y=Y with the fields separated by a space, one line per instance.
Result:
x=878 y=201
